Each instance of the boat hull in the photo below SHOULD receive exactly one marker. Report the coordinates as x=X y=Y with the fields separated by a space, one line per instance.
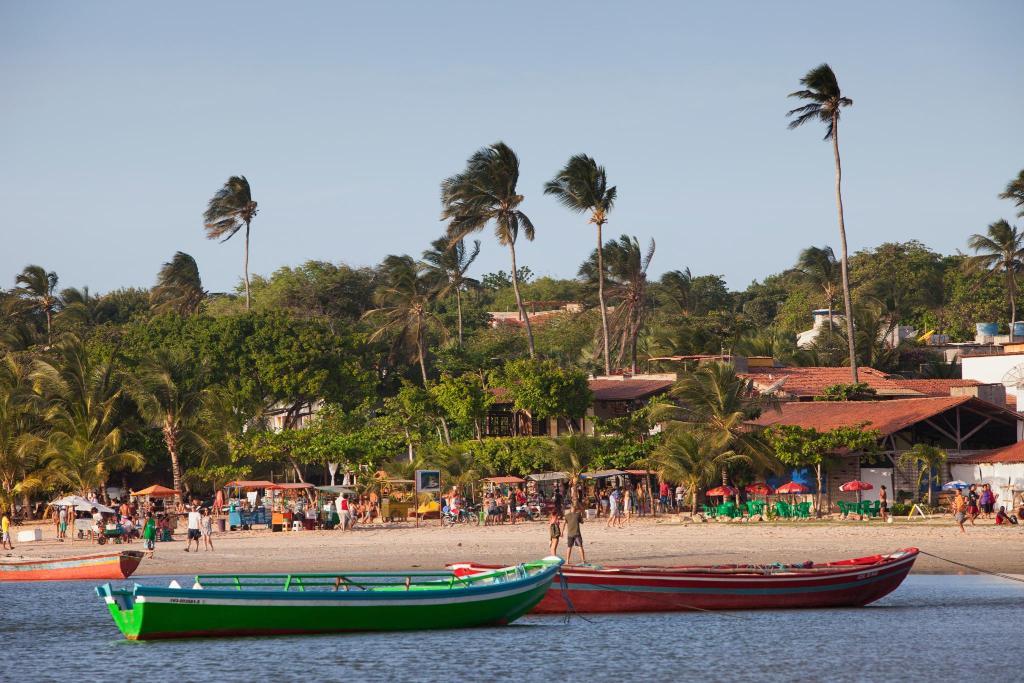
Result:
x=104 y=566
x=150 y=613
x=852 y=583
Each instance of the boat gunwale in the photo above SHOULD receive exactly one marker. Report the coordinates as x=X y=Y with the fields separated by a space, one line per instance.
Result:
x=76 y=558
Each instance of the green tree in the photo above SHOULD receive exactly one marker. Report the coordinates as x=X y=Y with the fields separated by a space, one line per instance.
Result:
x=582 y=186
x=88 y=413
x=1015 y=192
x=625 y=265
x=486 y=192
x=1000 y=251
x=21 y=443
x=465 y=399
x=693 y=457
x=37 y=288
x=408 y=413
x=904 y=277
x=447 y=265
x=404 y=308
x=545 y=390
x=227 y=212
x=178 y=286
x=824 y=102
x=573 y=455
x=927 y=461
x=170 y=389
x=848 y=392
x=805 y=447
x=820 y=268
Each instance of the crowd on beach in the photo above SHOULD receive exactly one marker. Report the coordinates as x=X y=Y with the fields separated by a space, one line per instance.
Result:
x=981 y=503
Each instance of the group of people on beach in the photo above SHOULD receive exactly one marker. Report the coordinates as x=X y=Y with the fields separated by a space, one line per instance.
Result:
x=980 y=503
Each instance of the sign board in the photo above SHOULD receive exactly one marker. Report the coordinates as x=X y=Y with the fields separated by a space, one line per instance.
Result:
x=428 y=481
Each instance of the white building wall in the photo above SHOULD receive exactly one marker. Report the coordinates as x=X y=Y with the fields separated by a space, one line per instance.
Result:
x=1006 y=479
x=990 y=369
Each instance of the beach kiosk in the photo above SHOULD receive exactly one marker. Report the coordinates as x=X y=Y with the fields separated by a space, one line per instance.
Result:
x=240 y=516
x=155 y=494
x=397 y=499
x=284 y=514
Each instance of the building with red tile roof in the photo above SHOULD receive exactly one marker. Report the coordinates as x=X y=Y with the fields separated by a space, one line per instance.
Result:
x=805 y=383
x=935 y=387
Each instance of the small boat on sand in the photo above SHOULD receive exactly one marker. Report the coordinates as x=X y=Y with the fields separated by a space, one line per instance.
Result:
x=116 y=565
x=272 y=604
x=847 y=583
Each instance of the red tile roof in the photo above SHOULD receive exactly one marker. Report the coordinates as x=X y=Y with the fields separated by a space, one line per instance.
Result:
x=935 y=387
x=1014 y=453
x=628 y=389
x=887 y=417
x=812 y=381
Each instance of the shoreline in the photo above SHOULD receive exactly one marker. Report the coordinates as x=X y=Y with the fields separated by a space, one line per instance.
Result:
x=660 y=541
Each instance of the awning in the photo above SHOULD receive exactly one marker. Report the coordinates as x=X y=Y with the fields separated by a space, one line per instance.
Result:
x=601 y=474
x=504 y=480
x=250 y=484
x=81 y=504
x=289 y=487
x=548 y=476
x=640 y=473
x=156 y=491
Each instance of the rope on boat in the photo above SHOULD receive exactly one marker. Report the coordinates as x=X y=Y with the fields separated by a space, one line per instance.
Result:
x=570 y=610
x=973 y=568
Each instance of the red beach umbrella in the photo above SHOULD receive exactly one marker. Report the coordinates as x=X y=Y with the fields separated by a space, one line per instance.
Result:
x=858 y=486
x=721 y=491
x=791 y=488
x=758 y=488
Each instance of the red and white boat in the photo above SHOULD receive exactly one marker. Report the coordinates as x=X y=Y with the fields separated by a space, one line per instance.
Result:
x=847 y=583
x=119 y=565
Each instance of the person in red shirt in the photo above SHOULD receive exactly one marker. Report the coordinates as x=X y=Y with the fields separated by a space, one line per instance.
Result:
x=663 y=495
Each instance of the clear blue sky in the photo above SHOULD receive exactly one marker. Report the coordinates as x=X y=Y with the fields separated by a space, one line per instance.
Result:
x=118 y=120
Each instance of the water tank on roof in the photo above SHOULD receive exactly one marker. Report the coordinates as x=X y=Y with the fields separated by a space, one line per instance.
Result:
x=1018 y=329
x=987 y=329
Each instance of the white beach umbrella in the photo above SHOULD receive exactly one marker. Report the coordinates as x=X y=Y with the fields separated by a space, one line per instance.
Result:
x=81 y=504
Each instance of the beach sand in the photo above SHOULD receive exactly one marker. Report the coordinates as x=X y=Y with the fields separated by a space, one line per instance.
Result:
x=661 y=541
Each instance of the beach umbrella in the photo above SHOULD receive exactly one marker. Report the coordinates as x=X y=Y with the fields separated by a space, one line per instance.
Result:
x=721 y=491
x=758 y=489
x=792 y=488
x=858 y=486
x=957 y=484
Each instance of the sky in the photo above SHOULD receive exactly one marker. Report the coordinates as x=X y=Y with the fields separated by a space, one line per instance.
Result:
x=119 y=120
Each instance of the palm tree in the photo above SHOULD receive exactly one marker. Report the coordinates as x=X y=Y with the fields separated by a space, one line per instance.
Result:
x=21 y=444
x=1000 y=251
x=582 y=186
x=227 y=211
x=447 y=265
x=80 y=306
x=404 y=307
x=38 y=288
x=484 y=192
x=692 y=457
x=170 y=390
x=716 y=399
x=821 y=90
x=927 y=461
x=573 y=455
x=86 y=411
x=675 y=291
x=1015 y=192
x=178 y=286
x=818 y=265
x=625 y=266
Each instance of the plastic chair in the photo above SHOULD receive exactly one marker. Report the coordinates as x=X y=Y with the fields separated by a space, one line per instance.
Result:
x=803 y=510
x=783 y=509
x=297 y=525
x=709 y=511
x=864 y=509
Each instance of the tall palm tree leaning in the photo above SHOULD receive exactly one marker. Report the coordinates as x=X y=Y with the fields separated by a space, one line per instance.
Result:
x=39 y=289
x=483 y=192
x=582 y=186
x=1000 y=251
x=227 y=212
x=178 y=287
x=821 y=90
x=1015 y=192
x=448 y=263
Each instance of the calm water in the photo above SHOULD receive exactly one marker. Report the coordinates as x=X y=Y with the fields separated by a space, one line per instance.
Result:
x=932 y=627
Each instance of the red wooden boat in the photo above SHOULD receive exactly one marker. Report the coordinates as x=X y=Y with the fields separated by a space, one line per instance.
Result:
x=118 y=565
x=847 y=583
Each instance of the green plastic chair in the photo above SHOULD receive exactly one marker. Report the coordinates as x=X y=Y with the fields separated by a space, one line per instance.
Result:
x=876 y=508
x=783 y=509
x=709 y=511
x=846 y=508
x=865 y=508
x=803 y=510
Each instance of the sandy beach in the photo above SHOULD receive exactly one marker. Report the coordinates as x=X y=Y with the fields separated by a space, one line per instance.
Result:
x=661 y=541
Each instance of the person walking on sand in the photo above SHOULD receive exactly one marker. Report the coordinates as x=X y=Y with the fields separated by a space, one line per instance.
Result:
x=554 y=532
x=194 y=522
x=613 y=508
x=206 y=530
x=5 y=533
x=959 y=508
x=573 y=537
x=972 y=503
x=987 y=501
x=149 y=535
x=627 y=507
x=883 y=505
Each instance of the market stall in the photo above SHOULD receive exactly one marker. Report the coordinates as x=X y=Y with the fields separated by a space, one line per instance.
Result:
x=245 y=503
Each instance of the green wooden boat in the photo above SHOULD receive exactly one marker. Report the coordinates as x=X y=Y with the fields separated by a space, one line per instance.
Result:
x=270 y=604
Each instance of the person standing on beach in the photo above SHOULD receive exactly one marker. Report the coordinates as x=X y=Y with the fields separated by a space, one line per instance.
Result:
x=5 y=533
x=972 y=503
x=883 y=504
x=554 y=532
x=149 y=535
x=573 y=537
x=613 y=508
x=194 y=522
x=959 y=507
x=627 y=507
x=343 y=512
x=206 y=530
